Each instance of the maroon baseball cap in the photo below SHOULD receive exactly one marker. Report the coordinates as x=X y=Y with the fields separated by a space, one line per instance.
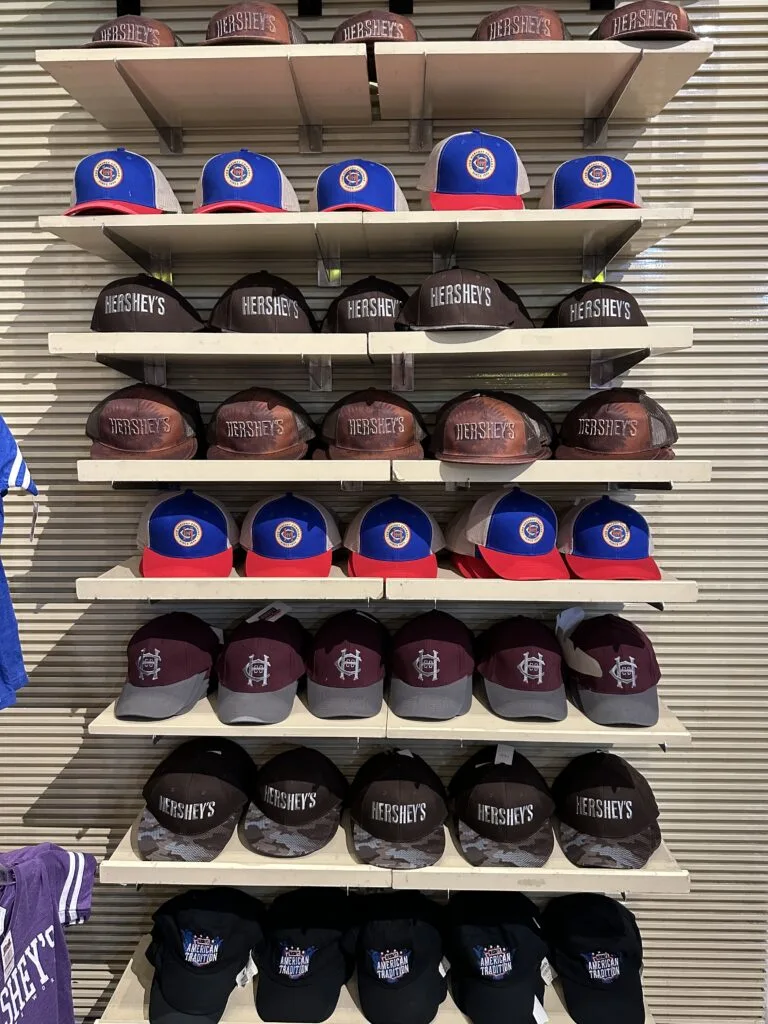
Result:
x=143 y=303
x=606 y=813
x=521 y=664
x=252 y=22
x=259 y=424
x=492 y=427
x=621 y=423
x=501 y=807
x=263 y=303
x=398 y=807
x=432 y=668
x=346 y=667
x=133 y=30
x=646 y=19
x=259 y=671
x=458 y=299
x=370 y=304
x=169 y=665
x=373 y=424
x=597 y=305
x=144 y=422
x=521 y=22
x=613 y=672
x=296 y=805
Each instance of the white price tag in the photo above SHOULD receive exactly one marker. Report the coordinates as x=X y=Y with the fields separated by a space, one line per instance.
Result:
x=444 y=967
x=270 y=612
x=539 y=1013
x=505 y=754
x=568 y=620
x=2 y=919
x=248 y=973
x=405 y=753
x=548 y=973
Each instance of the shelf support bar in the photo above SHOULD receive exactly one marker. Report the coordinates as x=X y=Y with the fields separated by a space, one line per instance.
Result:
x=328 y=264
x=420 y=128
x=596 y=128
x=603 y=369
x=172 y=138
x=402 y=371
x=595 y=263
x=320 y=373
x=310 y=135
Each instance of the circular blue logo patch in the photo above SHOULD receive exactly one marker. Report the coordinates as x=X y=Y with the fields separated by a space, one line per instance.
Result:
x=397 y=535
x=187 y=533
x=238 y=173
x=597 y=174
x=616 y=534
x=107 y=173
x=288 y=533
x=353 y=178
x=481 y=163
x=531 y=529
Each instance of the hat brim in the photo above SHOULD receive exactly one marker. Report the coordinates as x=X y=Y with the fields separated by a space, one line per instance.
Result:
x=186 y=449
x=417 y=1003
x=646 y=34
x=509 y=999
x=419 y=568
x=238 y=206
x=296 y=451
x=162 y=1012
x=601 y=1004
x=591 y=203
x=639 y=709
x=649 y=455
x=234 y=707
x=398 y=856
x=493 y=460
x=444 y=201
x=153 y=565
x=160 y=702
x=155 y=842
x=109 y=206
x=269 y=838
x=472 y=568
x=412 y=451
x=258 y=565
x=435 y=703
x=613 y=568
x=550 y=705
x=310 y=999
x=549 y=566
x=344 y=702
x=586 y=851
x=365 y=207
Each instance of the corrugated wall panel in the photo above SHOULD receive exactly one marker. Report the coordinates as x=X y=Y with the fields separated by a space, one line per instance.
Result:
x=706 y=951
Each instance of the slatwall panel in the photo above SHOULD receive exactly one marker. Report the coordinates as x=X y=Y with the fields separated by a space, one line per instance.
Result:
x=705 y=952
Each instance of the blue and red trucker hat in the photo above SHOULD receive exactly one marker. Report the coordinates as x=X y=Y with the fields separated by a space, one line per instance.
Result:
x=591 y=181
x=289 y=535
x=474 y=171
x=605 y=540
x=393 y=537
x=186 y=534
x=244 y=181
x=119 y=181
x=357 y=184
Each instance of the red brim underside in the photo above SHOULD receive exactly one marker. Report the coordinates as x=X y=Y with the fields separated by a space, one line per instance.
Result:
x=526 y=567
x=613 y=568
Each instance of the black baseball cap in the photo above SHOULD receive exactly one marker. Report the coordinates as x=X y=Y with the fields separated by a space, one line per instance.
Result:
x=296 y=804
x=143 y=303
x=597 y=305
x=495 y=945
x=304 y=963
x=597 y=951
x=194 y=800
x=263 y=303
x=398 y=807
x=201 y=941
x=370 y=304
x=458 y=299
x=501 y=807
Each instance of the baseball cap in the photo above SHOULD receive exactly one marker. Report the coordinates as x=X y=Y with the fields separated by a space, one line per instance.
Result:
x=606 y=813
x=399 y=951
x=597 y=305
x=521 y=665
x=474 y=171
x=144 y=422
x=458 y=299
x=201 y=940
x=346 y=667
x=170 y=660
x=515 y=533
x=194 y=800
x=242 y=181
x=143 y=303
x=646 y=19
x=373 y=424
x=496 y=948
x=393 y=537
x=606 y=540
x=265 y=304
x=621 y=423
x=119 y=181
x=376 y=27
x=357 y=184
x=304 y=963
x=289 y=535
x=432 y=667
x=132 y=30
x=259 y=671
x=370 y=304
x=589 y=181
x=463 y=554
x=613 y=672
x=398 y=807
x=296 y=805
x=252 y=22
x=521 y=22
x=259 y=424
x=597 y=950
x=186 y=534
x=491 y=427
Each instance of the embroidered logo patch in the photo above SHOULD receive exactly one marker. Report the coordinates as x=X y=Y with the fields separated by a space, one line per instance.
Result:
x=397 y=535
x=294 y=961
x=288 y=534
x=353 y=178
x=200 y=949
x=531 y=530
x=256 y=670
x=531 y=668
x=481 y=163
x=602 y=967
x=597 y=174
x=187 y=533
x=494 y=962
x=349 y=664
x=427 y=665
x=148 y=664
x=390 y=965
x=107 y=173
x=238 y=173
x=624 y=671
x=616 y=534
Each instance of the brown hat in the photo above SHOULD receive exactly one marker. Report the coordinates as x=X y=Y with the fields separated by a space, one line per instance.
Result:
x=487 y=427
x=259 y=424
x=646 y=19
x=144 y=422
x=520 y=23
x=252 y=22
x=376 y=27
x=621 y=423
x=458 y=299
x=133 y=30
x=263 y=304
x=367 y=305
x=373 y=424
x=597 y=305
x=143 y=303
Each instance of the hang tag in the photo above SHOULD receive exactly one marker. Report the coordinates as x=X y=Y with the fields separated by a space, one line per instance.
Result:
x=8 y=955
x=248 y=973
x=505 y=754
x=540 y=1015
x=405 y=753
x=548 y=973
x=33 y=524
x=444 y=967
x=270 y=612
x=568 y=620
x=219 y=633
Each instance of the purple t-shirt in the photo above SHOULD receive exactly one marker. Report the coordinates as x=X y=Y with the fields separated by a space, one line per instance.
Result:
x=43 y=889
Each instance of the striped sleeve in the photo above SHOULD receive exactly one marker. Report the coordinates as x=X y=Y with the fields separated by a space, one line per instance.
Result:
x=14 y=471
x=71 y=874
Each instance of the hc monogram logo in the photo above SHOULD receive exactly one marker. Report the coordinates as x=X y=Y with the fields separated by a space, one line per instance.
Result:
x=427 y=665
x=256 y=670
x=625 y=673
x=149 y=664
x=349 y=664
x=531 y=668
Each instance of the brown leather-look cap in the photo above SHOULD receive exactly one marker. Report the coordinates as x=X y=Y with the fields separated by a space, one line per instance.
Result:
x=263 y=304
x=144 y=422
x=458 y=299
x=367 y=305
x=373 y=424
x=143 y=303
x=376 y=27
x=646 y=19
x=133 y=30
x=521 y=22
x=621 y=423
x=252 y=22
x=487 y=427
x=597 y=305
x=259 y=424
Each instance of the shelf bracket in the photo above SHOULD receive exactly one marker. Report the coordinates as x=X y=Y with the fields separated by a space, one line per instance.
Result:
x=310 y=135
x=594 y=264
x=150 y=262
x=401 y=6
x=420 y=134
x=328 y=265
x=310 y=8
x=604 y=369
x=443 y=254
x=171 y=137
x=596 y=128
x=352 y=485
x=402 y=371
x=320 y=373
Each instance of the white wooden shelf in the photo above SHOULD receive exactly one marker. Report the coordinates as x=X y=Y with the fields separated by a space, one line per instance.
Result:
x=555 y=471
x=298 y=471
x=187 y=347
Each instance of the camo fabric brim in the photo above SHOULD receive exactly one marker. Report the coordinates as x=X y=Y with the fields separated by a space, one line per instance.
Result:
x=270 y=839
x=533 y=852
x=384 y=854
x=155 y=842
x=594 y=852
